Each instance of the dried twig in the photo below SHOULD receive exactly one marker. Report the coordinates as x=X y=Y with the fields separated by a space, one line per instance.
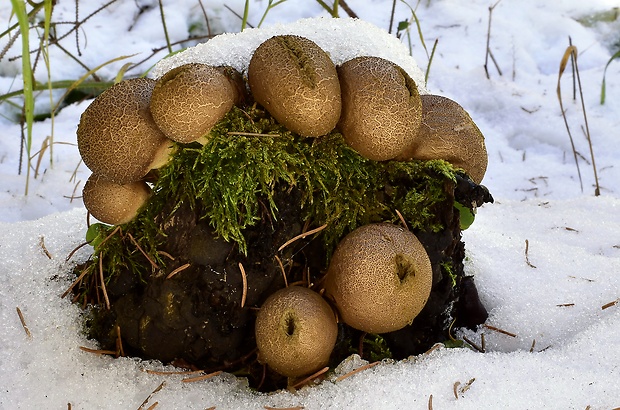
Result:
x=131 y=238
x=402 y=220
x=244 y=280
x=283 y=271
x=21 y=319
x=489 y=53
x=302 y=236
x=42 y=245
x=527 y=257
x=97 y=351
x=463 y=389
x=359 y=369
x=75 y=282
x=474 y=345
x=533 y=345
x=119 y=342
x=105 y=292
x=430 y=402
x=166 y=373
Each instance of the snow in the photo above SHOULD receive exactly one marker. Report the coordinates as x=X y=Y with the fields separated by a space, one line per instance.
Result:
x=545 y=255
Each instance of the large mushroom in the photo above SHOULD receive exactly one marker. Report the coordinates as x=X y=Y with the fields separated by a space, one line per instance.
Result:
x=381 y=107
x=295 y=331
x=379 y=278
x=114 y=203
x=448 y=132
x=190 y=99
x=296 y=81
x=117 y=137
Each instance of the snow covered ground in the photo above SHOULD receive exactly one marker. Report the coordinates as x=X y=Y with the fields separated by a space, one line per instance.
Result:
x=555 y=298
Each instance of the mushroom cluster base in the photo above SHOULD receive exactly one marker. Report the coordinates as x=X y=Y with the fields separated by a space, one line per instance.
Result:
x=183 y=280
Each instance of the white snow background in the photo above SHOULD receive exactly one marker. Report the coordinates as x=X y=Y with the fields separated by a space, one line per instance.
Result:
x=556 y=300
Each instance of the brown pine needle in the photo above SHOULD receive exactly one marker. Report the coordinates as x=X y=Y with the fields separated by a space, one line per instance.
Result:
x=152 y=406
x=302 y=236
x=21 y=319
x=430 y=402
x=105 y=292
x=203 y=377
x=610 y=304
x=244 y=279
x=142 y=251
x=473 y=344
x=97 y=351
x=173 y=372
x=498 y=330
x=402 y=220
x=119 y=341
x=157 y=389
x=359 y=369
x=42 y=245
x=310 y=378
x=75 y=282
x=527 y=256
x=284 y=408
x=177 y=270
x=283 y=271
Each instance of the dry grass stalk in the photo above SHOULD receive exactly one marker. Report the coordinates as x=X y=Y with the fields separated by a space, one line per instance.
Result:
x=571 y=54
x=157 y=389
x=283 y=271
x=302 y=236
x=489 y=53
x=177 y=270
x=203 y=377
x=498 y=330
x=527 y=256
x=23 y=321
x=359 y=369
x=244 y=279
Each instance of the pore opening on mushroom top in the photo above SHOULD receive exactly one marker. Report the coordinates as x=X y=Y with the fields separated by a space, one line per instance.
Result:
x=405 y=266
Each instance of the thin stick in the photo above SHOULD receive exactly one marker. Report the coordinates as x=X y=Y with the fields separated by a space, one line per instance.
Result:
x=75 y=282
x=498 y=330
x=177 y=270
x=119 y=342
x=21 y=319
x=203 y=377
x=283 y=271
x=392 y=16
x=45 y=251
x=302 y=236
x=472 y=344
x=359 y=369
x=105 y=292
x=348 y=9
x=310 y=378
x=488 y=51
x=533 y=345
x=527 y=258
x=244 y=279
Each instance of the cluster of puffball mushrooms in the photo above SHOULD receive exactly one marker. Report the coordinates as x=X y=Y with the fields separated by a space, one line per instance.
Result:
x=379 y=276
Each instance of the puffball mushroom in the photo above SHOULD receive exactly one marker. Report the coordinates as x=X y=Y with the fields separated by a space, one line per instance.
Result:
x=117 y=137
x=381 y=107
x=448 y=132
x=296 y=81
x=296 y=331
x=379 y=278
x=114 y=203
x=190 y=99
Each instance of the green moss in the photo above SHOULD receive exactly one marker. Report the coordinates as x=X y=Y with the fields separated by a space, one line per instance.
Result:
x=248 y=157
x=447 y=269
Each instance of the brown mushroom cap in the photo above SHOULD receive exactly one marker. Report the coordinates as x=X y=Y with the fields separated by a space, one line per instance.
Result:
x=448 y=132
x=379 y=278
x=295 y=331
x=189 y=100
x=381 y=107
x=116 y=136
x=114 y=203
x=296 y=81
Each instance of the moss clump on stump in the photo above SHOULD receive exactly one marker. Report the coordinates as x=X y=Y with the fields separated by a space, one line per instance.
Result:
x=172 y=275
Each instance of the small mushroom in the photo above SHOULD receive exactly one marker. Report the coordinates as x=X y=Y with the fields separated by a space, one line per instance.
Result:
x=295 y=331
x=117 y=137
x=381 y=107
x=379 y=278
x=114 y=203
x=296 y=81
x=190 y=99
x=448 y=132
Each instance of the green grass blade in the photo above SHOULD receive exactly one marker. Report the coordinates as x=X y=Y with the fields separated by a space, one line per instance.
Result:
x=617 y=55
x=19 y=8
